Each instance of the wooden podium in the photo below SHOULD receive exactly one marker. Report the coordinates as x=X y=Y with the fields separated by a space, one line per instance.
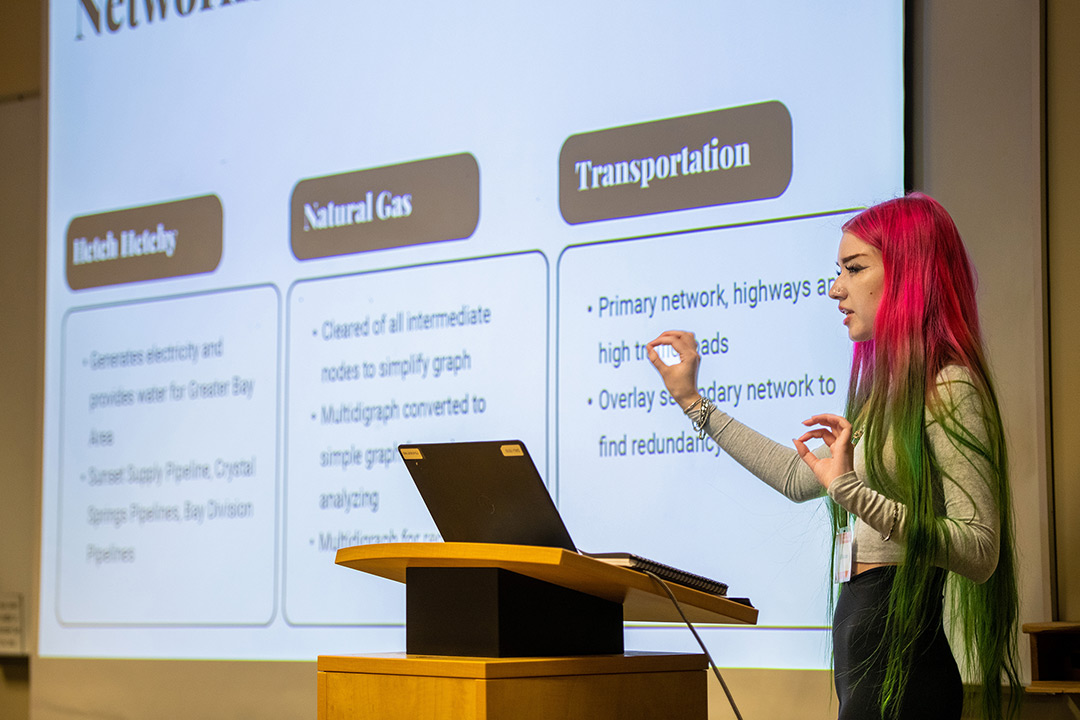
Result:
x=522 y=632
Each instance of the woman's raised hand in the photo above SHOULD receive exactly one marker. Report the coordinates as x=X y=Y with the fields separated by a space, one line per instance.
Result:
x=679 y=379
x=836 y=433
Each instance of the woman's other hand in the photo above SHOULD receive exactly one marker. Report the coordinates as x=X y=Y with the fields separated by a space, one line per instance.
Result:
x=680 y=379
x=836 y=433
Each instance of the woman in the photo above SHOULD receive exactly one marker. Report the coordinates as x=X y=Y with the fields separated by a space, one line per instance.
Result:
x=917 y=468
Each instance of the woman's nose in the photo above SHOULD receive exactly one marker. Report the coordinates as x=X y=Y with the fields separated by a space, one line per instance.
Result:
x=836 y=291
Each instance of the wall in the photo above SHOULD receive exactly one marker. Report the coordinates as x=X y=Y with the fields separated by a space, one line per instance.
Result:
x=977 y=147
x=20 y=49
x=1063 y=260
x=21 y=278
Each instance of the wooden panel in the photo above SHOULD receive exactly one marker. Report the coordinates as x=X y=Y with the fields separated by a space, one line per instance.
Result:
x=628 y=696
x=1054 y=627
x=642 y=600
x=320 y=701
x=1055 y=647
x=604 y=688
x=1051 y=687
x=400 y=697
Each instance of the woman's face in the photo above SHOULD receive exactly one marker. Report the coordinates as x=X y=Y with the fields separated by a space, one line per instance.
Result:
x=858 y=285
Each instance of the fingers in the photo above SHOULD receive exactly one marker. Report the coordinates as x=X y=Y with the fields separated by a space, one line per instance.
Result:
x=669 y=336
x=680 y=341
x=821 y=434
x=839 y=427
x=834 y=421
x=804 y=452
x=654 y=358
x=835 y=431
x=680 y=378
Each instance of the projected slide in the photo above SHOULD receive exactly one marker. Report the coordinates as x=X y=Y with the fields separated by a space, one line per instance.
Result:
x=168 y=427
x=285 y=237
x=692 y=503
x=374 y=364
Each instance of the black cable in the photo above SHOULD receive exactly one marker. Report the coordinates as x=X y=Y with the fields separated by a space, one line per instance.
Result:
x=716 y=670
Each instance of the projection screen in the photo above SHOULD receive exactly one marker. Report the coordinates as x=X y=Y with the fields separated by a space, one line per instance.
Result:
x=285 y=237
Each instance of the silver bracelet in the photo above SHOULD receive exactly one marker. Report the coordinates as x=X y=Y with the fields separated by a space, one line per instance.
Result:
x=703 y=416
x=694 y=404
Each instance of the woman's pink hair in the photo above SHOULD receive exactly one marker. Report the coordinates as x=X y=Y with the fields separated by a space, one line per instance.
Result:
x=927 y=316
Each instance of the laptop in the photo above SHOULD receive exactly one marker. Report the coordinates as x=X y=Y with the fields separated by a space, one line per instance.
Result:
x=491 y=492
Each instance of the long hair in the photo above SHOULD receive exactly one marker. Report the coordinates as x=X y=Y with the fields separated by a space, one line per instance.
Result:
x=927 y=320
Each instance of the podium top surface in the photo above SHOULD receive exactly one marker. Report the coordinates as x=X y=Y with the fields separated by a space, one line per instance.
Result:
x=641 y=598
x=497 y=668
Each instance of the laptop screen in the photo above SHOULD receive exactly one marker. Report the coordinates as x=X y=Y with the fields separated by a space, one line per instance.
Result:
x=488 y=491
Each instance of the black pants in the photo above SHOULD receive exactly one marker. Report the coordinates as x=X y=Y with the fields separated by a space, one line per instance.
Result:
x=934 y=690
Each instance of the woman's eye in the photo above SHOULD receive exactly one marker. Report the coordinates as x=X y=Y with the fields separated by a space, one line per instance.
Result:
x=852 y=269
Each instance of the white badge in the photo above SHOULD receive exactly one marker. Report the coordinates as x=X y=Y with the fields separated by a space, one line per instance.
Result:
x=842 y=555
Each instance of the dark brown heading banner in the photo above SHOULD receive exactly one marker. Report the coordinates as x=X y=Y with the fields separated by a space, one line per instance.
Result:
x=714 y=158
x=183 y=237
x=409 y=204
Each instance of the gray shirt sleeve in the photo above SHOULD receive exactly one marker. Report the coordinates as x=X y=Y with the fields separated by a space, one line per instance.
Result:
x=779 y=466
